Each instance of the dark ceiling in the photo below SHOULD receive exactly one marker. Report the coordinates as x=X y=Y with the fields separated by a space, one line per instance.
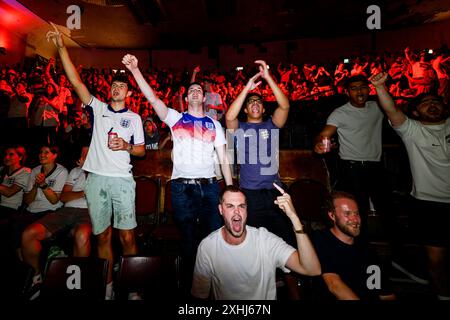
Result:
x=140 y=24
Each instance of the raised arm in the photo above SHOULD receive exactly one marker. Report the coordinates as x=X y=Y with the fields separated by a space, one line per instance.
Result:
x=304 y=260
x=280 y=114
x=194 y=73
x=131 y=63
x=69 y=68
x=396 y=116
x=233 y=111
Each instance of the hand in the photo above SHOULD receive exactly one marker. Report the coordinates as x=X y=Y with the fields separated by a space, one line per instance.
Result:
x=407 y=50
x=251 y=82
x=118 y=144
x=263 y=69
x=55 y=36
x=40 y=179
x=197 y=69
x=285 y=203
x=51 y=61
x=378 y=80
x=130 y=61
x=320 y=148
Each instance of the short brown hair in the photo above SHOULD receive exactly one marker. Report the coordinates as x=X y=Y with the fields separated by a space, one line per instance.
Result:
x=230 y=188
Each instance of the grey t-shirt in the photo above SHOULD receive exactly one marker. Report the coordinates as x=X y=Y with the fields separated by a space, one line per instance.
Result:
x=359 y=131
x=428 y=149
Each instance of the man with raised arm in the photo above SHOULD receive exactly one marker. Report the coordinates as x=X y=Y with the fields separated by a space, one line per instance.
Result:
x=427 y=141
x=257 y=145
x=195 y=191
x=238 y=261
x=110 y=186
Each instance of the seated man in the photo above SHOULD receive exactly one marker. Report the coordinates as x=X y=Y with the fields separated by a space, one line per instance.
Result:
x=345 y=260
x=73 y=215
x=239 y=261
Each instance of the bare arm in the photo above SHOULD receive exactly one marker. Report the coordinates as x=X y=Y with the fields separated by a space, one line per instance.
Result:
x=338 y=287
x=304 y=260
x=69 y=68
x=68 y=195
x=280 y=114
x=194 y=73
x=9 y=191
x=131 y=63
x=231 y=116
x=224 y=164
x=327 y=132
x=396 y=116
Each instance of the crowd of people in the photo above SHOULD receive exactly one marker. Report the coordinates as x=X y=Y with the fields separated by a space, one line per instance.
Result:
x=233 y=240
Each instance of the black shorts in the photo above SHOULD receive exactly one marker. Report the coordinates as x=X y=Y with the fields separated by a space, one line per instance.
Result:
x=429 y=222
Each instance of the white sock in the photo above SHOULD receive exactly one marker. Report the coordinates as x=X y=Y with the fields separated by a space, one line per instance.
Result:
x=109 y=291
x=37 y=279
x=447 y=298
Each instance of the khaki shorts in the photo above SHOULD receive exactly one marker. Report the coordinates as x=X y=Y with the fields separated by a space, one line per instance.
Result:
x=108 y=195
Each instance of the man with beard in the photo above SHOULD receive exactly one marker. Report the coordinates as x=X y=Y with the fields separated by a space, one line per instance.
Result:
x=358 y=124
x=238 y=262
x=427 y=141
x=110 y=187
x=344 y=258
x=195 y=190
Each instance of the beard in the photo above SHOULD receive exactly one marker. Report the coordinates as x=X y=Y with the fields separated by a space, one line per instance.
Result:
x=348 y=229
x=433 y=115
x=234 y=233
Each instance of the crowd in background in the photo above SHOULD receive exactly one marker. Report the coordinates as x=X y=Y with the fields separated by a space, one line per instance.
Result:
x=38 y=105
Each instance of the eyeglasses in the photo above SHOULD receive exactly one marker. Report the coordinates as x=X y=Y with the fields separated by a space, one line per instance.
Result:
x=258 y=101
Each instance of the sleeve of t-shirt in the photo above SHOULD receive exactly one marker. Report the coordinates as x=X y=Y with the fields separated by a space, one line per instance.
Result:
x=98 y=107
x=73 y=175
x=172 y=117
x=323 y=253
x=220 y=136
x=23 y=178
x=201 y=281
x=406 y=129
x=138 y=135
x=277 y=249
x=334 y=118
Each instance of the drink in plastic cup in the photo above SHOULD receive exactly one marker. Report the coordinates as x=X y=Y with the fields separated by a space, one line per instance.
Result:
x=326 y=144
x=111 y=135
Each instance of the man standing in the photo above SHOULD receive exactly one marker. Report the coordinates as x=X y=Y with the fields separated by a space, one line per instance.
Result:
x=358 y=124
x=196 y=137
x=257 y=144
x=239 y=261
x=345 y=259
x=427 y=141
x=110 y=186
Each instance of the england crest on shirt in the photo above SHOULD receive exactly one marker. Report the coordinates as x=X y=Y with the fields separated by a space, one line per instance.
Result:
x=264 y=134
x=125 y=123
x=209 y=125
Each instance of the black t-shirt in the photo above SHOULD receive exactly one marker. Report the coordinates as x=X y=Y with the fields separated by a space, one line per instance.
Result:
x=350 y=262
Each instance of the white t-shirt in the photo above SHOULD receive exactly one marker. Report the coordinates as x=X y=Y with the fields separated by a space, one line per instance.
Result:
x=194 y=140
x=128 y=126
x=240 y=272
x=428 y=148
x=76 y=179
x=19 y=178
x=55 y=180
x=359 y=131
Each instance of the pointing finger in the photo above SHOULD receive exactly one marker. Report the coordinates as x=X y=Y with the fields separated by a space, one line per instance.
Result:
x=279 y=188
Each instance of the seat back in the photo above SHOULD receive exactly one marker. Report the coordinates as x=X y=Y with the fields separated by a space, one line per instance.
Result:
x=75 y=278
x=153 y=277
x=308 y=197
x=148 y=198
